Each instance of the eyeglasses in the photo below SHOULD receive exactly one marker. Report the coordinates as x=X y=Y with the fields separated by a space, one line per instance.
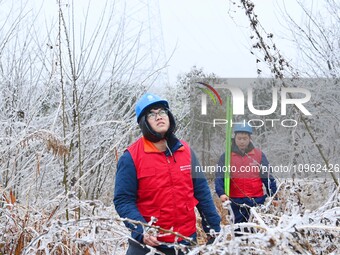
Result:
x=160 y=113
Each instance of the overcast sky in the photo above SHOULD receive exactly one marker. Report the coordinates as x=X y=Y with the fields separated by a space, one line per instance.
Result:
x=205 y=33
x=209 y=34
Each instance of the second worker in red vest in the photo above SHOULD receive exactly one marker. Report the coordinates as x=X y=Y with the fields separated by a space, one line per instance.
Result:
x=249 y=171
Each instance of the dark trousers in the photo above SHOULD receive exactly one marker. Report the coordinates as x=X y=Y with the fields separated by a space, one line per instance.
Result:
x=242 y=212
x=137 y=249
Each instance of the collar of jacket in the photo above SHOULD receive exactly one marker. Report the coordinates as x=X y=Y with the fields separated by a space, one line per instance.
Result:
x=174 y=145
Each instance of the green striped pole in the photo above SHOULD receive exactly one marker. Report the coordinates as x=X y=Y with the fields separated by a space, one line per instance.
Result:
x=229 y=116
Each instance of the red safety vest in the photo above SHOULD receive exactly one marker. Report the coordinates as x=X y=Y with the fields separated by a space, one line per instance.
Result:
x=245 y=175
x=165 y=188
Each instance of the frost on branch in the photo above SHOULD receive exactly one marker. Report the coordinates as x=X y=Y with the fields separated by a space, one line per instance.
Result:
x=290 y=228
x=51 y=141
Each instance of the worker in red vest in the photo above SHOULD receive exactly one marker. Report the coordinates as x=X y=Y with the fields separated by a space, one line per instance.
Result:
x=249 y=171
x=156 y=183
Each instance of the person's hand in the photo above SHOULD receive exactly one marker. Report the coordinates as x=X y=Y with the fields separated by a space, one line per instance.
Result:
x=150 y=240
x=224 y=198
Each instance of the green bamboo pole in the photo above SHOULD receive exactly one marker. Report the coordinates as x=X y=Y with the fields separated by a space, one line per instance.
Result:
x=229 y=116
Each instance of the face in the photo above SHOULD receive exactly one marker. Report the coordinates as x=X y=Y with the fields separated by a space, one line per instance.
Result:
x=158 y=120
x=242 y=140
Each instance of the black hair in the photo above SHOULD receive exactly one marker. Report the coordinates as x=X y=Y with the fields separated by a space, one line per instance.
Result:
x=242 y=132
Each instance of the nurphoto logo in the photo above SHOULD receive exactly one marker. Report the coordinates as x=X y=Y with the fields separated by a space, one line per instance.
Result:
x=212 y=93
x=251 y=97
x=238 y=100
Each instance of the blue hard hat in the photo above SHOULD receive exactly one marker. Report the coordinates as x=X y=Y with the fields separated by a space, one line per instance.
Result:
x=239 y=127
x=147 y=100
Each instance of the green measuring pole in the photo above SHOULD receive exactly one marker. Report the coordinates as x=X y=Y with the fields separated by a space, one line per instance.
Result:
x=229 y=116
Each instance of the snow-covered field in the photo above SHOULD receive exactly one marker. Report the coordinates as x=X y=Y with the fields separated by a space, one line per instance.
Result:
x=290 y=228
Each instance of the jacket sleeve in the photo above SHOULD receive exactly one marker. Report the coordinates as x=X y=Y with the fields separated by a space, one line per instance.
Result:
x=205 y=206
x=219 y=177
x=125 y=195
x=266 y=176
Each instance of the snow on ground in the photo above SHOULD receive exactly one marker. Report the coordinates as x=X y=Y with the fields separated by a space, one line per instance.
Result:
x=289 y=228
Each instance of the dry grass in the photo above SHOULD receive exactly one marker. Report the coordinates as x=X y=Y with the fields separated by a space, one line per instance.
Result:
x=51 y=141
x=288 y=228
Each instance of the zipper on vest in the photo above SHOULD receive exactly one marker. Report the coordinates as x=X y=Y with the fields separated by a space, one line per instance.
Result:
x=167 y=159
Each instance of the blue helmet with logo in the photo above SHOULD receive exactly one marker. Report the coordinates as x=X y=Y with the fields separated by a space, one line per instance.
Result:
x=244 y=128
x=146 y=101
